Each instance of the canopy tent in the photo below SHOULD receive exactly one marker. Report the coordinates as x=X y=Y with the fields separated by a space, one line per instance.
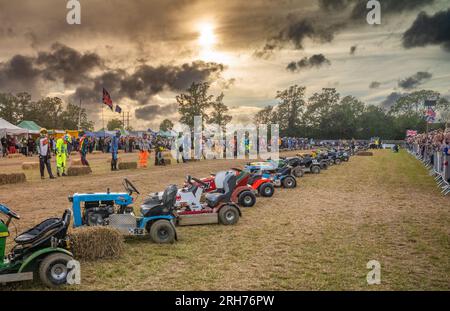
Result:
x=103 y=133
x=31 y=126
x=7 y=128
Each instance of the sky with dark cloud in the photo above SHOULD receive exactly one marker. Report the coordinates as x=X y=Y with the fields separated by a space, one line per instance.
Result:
x=146 y=52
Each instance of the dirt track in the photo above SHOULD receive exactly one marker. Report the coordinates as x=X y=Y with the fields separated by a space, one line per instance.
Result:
x=318 y=236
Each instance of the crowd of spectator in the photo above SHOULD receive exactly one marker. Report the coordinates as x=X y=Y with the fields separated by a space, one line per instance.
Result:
x=426 y=144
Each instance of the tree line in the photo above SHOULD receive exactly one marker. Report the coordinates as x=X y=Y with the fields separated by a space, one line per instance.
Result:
x=327 y=115
x=324 y=115
x=48 y=112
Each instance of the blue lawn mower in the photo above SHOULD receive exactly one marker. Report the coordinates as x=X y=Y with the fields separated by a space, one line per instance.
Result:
x=114 y=209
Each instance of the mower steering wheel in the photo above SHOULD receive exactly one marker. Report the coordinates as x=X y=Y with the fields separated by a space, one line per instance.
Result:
x=5 y=210
x=199 y=181
x=129 y=186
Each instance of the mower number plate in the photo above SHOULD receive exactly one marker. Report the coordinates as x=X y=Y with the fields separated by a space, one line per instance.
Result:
x=137 y=231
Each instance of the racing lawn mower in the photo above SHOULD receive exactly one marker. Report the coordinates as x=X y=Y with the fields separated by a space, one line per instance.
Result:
x=41 y=250
x=247 y=185
x=310 y=164
x=218 y=208
x=281 y=177
x=113 y=209
x=243 y=194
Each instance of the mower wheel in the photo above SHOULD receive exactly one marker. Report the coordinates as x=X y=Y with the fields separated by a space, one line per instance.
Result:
x=323 y=166
x=162 y=232
x=289 y=182
x=247 y=199
x=228 y=215
x=298 y=171
x=346 y=159
x=337 y=161
x=315 y=169
x=266 y=190
x=53 y=269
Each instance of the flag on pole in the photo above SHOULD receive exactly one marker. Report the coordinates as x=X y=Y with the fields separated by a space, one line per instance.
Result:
x=411 y=133
x=107 y=99
x=118 y=109
x=430 y=115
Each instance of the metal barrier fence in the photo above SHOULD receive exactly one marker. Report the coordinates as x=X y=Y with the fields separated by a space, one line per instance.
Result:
x=436 y=162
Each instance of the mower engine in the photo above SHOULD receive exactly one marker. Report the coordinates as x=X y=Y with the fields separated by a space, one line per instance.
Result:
x=97 y=213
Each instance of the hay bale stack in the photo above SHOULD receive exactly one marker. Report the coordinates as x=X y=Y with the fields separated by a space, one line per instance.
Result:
x=97 y=242
x=97 y=152
x=167 y=161
x=15 y=156
x=364 y=153
x=76 y=162
x=79 y=170
x=14 y=178
x=127 y=165
x=30 y=165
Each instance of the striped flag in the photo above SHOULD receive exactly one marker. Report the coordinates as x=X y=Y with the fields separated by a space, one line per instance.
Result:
x=118 y=109
x=107 y=99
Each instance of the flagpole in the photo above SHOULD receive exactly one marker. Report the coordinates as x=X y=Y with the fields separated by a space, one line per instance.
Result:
x=103 y=121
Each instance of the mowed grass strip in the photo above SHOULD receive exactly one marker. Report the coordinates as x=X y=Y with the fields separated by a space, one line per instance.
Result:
x=318 y=236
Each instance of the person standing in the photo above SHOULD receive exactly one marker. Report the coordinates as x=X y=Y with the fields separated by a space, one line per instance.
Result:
x=144 y=147
x=62 y=152
x=84 y=148
x=115 y=150
x=44 y=152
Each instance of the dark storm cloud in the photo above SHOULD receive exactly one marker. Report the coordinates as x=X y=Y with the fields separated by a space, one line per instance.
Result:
x=391 y=100
x=137 y=20
x=353 y=49
x=63 y=62
x=297 y=31
x=150 y=112
x=316 y=60
x=147 y=81
x=429 y=30
x=331 y=17
x=74 y=69
x=22 y=73
x=18 y=73
x=388 y=7
x=374 y=85
x=415 y=80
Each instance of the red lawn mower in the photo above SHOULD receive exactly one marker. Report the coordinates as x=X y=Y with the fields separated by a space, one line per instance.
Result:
x=247 y=186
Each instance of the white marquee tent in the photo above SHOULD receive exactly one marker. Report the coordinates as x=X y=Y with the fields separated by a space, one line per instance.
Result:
x=7 y=128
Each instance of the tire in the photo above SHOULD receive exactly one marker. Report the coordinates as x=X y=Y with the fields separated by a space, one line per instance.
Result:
x=298 y=172
x=266 y=190
x=346 y=159
x=315 y=169
x=289 y=182
x=228 y=215
x=323 y=166
x=247 y=198
x=53 y=269
x=337 y=161
x=162 y=232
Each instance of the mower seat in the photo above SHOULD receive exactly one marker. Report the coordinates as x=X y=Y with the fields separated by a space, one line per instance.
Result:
x=284 y=171
x=45 y=230
x=222 y=195
x=155 y=207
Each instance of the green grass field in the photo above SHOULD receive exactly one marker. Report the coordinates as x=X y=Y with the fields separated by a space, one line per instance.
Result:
x=319 y=236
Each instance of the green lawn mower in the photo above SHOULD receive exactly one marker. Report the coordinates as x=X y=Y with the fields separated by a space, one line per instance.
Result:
x=40 y=251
